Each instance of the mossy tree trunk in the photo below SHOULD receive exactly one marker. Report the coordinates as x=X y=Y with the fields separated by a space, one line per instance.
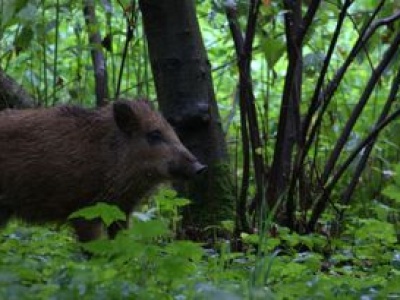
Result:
x=182 y=75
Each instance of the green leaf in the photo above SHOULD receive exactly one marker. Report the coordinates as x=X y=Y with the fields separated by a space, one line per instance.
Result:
x=186 y=249
x=99 y=247
x=9 y=9
x=397 y=175
x=273 y=50
x=149 y=230
x=228 y=225
x=392 y=192
x=106 y=212
x=27 y=13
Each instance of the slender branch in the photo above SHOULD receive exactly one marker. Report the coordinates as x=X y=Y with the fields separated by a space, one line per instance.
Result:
x=289 y=119
x=387 y=58
x=235 y=30
x=244 y=48
x=322 y=200
x=326 y=94
x=308 y=18
x=303 y=147
x=98 y=60
x=241 y=207
x=248 y=97
x=242 y=201
x=130 y=23
x=45 y=66
x=331 y=88
x=381 y=22
x=55 y=61
x=251 y=27
x=346 y=195
x=315 y=100
x=366 y=25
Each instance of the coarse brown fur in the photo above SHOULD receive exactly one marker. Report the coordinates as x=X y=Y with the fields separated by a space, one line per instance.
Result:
x=55 y=161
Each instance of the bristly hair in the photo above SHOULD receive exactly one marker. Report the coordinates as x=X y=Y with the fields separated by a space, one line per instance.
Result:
x=141 y=102
x=75 y=111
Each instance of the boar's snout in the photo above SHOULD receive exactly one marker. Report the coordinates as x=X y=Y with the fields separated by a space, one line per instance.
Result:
x=199 y=168
x=186 y=168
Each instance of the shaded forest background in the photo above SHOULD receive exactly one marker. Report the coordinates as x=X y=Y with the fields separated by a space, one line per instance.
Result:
x=292 y=104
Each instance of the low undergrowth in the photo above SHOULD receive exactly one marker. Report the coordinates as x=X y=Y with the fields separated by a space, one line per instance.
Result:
x=148 y=262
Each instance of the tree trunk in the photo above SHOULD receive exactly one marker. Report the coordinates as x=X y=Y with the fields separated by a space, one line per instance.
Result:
x=183 y=81
x=13 y=95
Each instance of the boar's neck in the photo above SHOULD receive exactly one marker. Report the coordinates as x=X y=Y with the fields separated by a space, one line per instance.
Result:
x=127 y=179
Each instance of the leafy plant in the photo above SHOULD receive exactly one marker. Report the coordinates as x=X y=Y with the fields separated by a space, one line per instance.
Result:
x=146 y=262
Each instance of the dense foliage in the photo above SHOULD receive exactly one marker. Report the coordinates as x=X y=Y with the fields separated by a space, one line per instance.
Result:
x=146 y=262
x=354 y=251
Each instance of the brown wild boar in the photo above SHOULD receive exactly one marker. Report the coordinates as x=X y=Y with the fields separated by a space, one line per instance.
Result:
x=55 y=161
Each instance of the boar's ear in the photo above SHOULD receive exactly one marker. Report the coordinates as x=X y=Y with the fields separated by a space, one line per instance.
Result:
x=125 y=117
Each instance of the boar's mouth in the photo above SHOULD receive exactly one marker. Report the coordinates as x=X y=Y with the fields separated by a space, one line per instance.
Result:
x=188 y=171
x=199 y=168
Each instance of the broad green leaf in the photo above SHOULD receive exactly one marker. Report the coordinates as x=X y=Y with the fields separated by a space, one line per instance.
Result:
x=106 y=212
x=99 y=247
x=392 y=192
x=148 y=230
x=9 y=9
x=273 y=50
x=397 y=175
x=27 y=14
x=186 y=249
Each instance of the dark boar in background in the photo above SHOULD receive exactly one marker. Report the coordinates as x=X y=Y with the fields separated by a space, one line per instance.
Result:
x=55 y=161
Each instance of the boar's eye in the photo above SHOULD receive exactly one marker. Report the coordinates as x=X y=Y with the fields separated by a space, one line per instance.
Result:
x=155 y=137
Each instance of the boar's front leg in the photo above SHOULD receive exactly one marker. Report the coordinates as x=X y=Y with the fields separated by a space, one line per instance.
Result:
x=115 y=227
x=87 y=230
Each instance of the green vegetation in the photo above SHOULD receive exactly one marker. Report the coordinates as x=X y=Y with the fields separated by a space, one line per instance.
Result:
x=352 y=250
x=147 y=262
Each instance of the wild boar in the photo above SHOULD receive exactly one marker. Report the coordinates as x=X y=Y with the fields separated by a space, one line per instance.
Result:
x=55 y=161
